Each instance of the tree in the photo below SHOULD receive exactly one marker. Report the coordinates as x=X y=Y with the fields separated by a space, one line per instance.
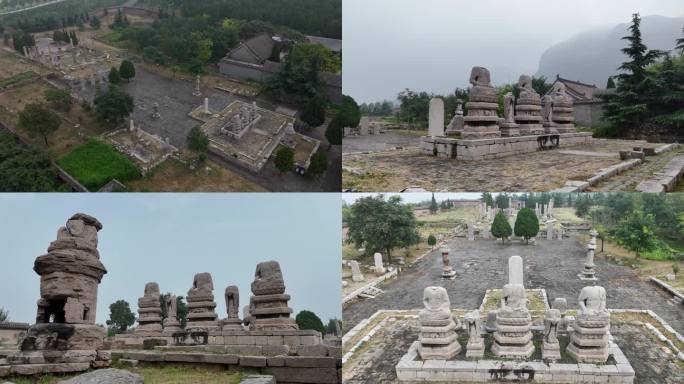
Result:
x=24 y=168
x=299 y=75
x=308 y=320
x=37 y=119
x=635 y=232
x=526 y=224
x=502 y=200
x=380 y=225
x=198 y=141
x=611 y=83
x=335 y=131
x=284 y=159
x=349 y=114
x=4 y=314
x=314 y=111
x=95 y=22
x=120 y=316
x=501 y=229
x=127 y=70
x=432 y=241
x=331 y=328
x=582 y=205
x=433 y=205
x=113 y=105
x=680 y=43
x=540 y=85
x=181 y=309
x=319 y=163
x=114 y=76
x=628 y=105
x=58 y=98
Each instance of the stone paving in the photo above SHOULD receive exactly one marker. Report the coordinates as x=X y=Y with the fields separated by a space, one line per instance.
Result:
x=482 y=264
x=627 y=181
x=394 y=170
x=375 y=362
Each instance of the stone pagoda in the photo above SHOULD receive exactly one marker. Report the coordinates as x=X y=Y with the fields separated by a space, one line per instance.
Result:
x=269 y=309
x=438 y=339
x=513 y=335
x=447 y=270
x=232 y=296
x=149 y=312
x=201 y=304
x=528 y=108
x=482 y=120
x=563 y=120
x=588 y=273
x=65 y=337
x=171 y=323
x=589 y=341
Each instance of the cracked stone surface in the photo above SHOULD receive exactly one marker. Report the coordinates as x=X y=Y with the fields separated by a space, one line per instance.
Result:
x=381 y=142
x=375 y=362
x=482 y=264
x=394 y=170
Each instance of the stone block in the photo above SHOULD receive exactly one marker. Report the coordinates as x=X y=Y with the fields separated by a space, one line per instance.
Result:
x=35 y=369
x=275 y=350
x=314 y=362
x=252 y=361
x=304 y=375
x=275 y=362
x=319 y=350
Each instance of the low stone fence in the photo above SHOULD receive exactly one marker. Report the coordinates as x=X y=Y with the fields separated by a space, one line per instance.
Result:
x=70 y=180
x=668 y=288
x=665 y=180
x=352 y=296
x=603 y=174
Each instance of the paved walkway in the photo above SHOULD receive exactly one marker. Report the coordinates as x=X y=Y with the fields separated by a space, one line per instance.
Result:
x=482 y=264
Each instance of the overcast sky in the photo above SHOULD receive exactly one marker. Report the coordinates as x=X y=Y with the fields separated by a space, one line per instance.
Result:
x=168 y=238
x=390 y=45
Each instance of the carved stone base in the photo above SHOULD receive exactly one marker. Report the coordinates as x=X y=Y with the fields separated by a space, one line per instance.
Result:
x=551 y=351
x=475 y=350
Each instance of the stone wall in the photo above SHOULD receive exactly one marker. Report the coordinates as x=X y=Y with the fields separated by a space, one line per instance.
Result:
x=10 y=333
x=588 y=113
x=242 y=70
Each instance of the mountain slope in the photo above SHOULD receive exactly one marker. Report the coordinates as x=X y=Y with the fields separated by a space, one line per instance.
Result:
x=592 y=56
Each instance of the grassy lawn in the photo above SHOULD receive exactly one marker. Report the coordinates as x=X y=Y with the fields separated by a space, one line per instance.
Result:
x=95 y=163
x=567 y=215
x=174 y=176
x=451 y=215
x=154 y=374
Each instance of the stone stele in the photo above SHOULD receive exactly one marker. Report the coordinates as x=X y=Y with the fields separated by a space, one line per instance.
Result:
x=438 y=338
x=589 y=341
x=269 y=304
x=436 y=118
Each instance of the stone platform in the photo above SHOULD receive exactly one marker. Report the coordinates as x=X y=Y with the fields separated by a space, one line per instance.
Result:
x=471 y=150
x=291 y=338
x=412 y=370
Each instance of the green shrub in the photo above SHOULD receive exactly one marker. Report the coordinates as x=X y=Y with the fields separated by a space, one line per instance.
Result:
x=95 y=164
x=605 y=131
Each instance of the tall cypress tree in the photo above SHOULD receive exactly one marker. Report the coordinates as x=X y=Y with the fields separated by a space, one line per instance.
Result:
x=501 y=229
x=628 y=105
x=433 y=204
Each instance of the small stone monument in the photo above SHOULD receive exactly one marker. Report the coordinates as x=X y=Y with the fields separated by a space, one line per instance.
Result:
x=456 y=123
x=515 y=270
x=356 y=271
x=171 y=323
x=588 y=273
x=197 y=91
x=155 y=111
x=436 y=118
x=559 y=233
x=547 y=115
x=589 y=341
x=549 y=229
x=232 y=296
x=363 y=125
x=201 y=305
x=528 y=108
x=447 y=270
x=379 y=269
x=562 y=117
x=149 y=312
x=438 y=339
x=550 y=345
x=131 y=126
x=471 y=231
x=482 y=120
x=475 y=347
x=513 y=335
x=269 y=304
x=206 y=106
x=508 y=126
x=561 y=305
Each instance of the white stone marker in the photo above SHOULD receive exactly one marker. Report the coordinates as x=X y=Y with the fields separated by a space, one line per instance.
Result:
x=363 y=125
x=515 y=270
x=436 y=121
x=379 y=269
x=549 y=230
x=356 y=271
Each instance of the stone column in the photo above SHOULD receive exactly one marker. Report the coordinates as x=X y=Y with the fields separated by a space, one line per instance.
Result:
x=206 y=105
x=436 y=118
x=363 y=125
x=549 y=230
x=447 y=270
x=588 y=272
x=471 y=231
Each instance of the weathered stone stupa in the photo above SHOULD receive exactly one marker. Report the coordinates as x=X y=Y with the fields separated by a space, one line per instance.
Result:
x=512 y=335
x=589 y=341
x=201 y=304
x=482 y=120
x=269 y=309
x=562 y=117
x=447 y=270
x=149 y=312
x=232 y=296
x=588 y=273
x=438 y=338
x=65 y=337
x=528 y=108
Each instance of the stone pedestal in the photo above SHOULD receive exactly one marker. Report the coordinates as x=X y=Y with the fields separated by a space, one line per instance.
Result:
x=149 y=312
x=513 y=337
x=269 y=309
x=482 y=121
x=438 y=339
x=475 y=347
x=201 y=305
x=528 y=108
x=447 y=270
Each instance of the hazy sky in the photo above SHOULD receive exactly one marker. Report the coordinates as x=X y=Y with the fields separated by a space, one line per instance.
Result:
x=168 y=238
x=390 y=45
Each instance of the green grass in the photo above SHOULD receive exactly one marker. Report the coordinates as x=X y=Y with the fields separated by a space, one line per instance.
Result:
x=4 y=83
x=451 y=215
x=95 y=164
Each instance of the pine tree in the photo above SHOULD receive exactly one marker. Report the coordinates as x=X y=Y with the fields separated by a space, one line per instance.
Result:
x=114 y=76
x=680 y=43
x=501 y=229
x=526 y=224
x=611 y=83
x=433 y=205
x=127 y=70
x=628 y=105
